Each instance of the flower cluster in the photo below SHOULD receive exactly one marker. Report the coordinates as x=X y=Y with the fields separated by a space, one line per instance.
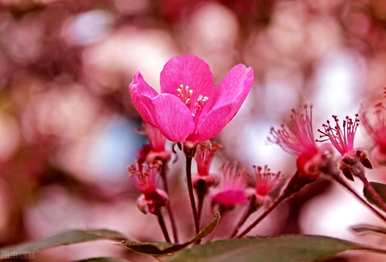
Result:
x=190 y=111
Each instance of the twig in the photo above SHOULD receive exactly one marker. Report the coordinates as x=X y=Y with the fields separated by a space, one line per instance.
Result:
x=168 y=207
x=188 y=155
x=162 y=225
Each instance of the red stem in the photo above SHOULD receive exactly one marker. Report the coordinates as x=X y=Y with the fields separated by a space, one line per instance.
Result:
x=190 y=190
x=358 y=197
x=247 y=212
x=162 y=225
x=374 y=194
x=262 y=216
x=168 y=207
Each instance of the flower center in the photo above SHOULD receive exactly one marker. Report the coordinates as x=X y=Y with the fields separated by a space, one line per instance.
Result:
x=185 y=93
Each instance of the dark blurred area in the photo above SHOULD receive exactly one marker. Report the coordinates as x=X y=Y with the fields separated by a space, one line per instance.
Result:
x=68 y=130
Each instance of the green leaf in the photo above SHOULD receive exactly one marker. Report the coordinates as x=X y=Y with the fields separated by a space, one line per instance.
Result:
x=158 y=249
x=103 y=259
x=289 y=248
x=366 y=228
x=80 y=236
x=64 y=238
x=381 y=190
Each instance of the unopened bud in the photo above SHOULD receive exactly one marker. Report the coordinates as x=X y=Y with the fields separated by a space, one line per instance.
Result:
x=362 y=156
x=346 y=170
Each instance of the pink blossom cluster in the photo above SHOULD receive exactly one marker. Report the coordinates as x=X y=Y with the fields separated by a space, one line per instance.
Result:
x=190 y=111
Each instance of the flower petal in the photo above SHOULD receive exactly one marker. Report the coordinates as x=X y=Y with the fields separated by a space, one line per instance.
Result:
x=230 y=197
x=187 y=70
x=173 y=117
x=141 y=94
x=229 y=97
x=234 y=88
x=212 y=124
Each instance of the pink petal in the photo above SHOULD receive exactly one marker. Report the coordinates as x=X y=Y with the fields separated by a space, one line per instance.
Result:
x=229 y=97
x=230 y=197
x=212 y=124
x=234 y=88
x=187 y=70
x=141 y=95
x=173 y=117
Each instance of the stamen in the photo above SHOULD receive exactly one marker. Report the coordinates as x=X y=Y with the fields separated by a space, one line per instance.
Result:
x=266 y=180
x=297 y=135
x=342 y=138
x=199 y=105
x=185 y=93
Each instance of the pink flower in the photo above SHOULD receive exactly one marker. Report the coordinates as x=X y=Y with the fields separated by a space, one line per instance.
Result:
x=156 y=139
x=144 y=177
x=190 y=107
x=231 y=190
x=155 y=150
x=204 y=156
x=374 y=122
x=266 y=181
x=342 y=138
x=297 y=137
x=151 y=198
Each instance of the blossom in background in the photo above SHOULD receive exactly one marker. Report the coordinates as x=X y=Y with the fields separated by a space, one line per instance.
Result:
x=204 y=156
x=297 y=137
x=151 y=198
x=373 y=119
x=341 y=137
x=267 y=182
x=156 y=139
x=231 y=190
x=190 y=107
x=155 y=149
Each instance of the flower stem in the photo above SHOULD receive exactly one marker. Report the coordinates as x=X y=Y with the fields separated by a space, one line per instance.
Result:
x=296 y=183
x=374 y=195
x=162 y=225
x=345 y=185
x=262 y=216
x=201 y=191
x=189 y=152
x=214 y=232
x=168 y=207
x=372 y=192
x=199 y=208
x=172 y=223
x=250 y=209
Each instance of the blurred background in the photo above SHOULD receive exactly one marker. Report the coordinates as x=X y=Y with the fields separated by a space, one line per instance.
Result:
x=68 y=130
